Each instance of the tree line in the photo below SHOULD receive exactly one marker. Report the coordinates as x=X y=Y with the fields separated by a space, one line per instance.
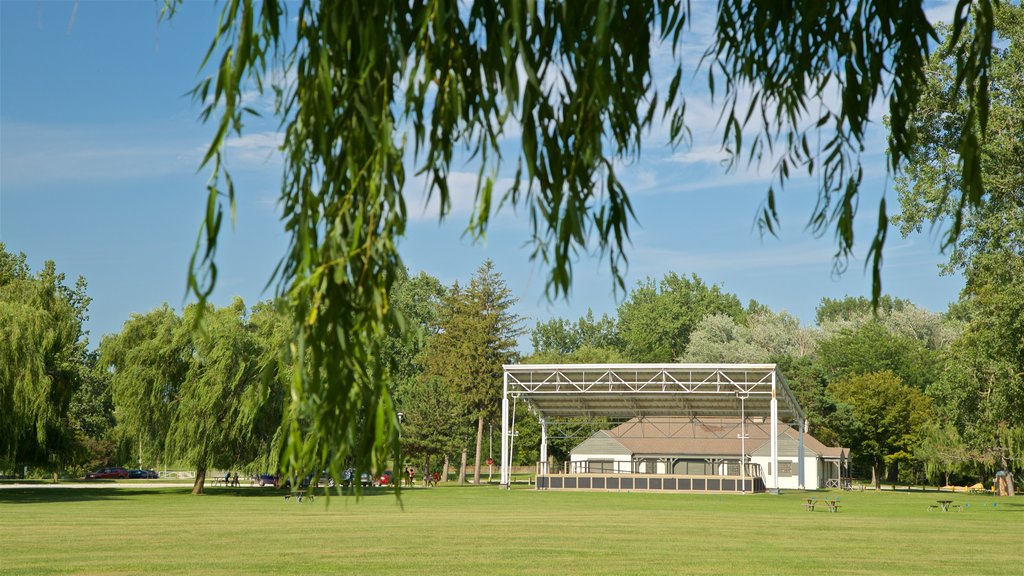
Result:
x=918 y=396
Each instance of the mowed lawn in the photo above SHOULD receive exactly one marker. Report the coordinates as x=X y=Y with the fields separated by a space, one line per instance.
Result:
x=485 y=530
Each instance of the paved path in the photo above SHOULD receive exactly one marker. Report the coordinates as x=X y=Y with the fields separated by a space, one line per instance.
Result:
x=79 y=484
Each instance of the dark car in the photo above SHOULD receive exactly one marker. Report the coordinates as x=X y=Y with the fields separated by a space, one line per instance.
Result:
x=143 y=474
x=112 y=472
x=265 y=479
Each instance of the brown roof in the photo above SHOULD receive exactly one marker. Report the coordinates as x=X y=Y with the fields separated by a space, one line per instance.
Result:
x=704 y=437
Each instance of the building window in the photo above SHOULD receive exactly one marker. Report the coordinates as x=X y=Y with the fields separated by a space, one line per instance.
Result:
x=787 y=468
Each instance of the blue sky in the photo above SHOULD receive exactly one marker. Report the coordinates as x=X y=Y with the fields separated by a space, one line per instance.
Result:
x=100 y=145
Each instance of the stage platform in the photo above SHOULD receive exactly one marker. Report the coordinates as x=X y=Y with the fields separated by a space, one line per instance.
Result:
x=650 y=483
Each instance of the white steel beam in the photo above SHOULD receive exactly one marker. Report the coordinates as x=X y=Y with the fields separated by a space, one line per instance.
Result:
x=544 y=445
x=775 y=439
x=802 y=426
x=504 y=435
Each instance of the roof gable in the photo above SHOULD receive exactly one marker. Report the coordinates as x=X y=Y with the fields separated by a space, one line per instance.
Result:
x=601 y=442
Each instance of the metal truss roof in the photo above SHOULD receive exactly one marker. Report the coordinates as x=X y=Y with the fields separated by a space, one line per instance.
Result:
x=561 y=391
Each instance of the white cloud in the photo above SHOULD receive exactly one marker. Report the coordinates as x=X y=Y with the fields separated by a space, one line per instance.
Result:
x=941 y=11
x=38 y=155
x=461 y=194
x=703 y=154
x=256 y=147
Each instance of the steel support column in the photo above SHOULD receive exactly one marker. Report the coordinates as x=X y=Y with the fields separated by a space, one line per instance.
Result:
x=802 y=425
x=544 y=445
x=504 y=435
x=775 y=438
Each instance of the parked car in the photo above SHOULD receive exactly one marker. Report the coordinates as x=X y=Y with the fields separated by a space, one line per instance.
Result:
x=112 y=472
x=386 y=478
x=265 y=479
x=139 y=473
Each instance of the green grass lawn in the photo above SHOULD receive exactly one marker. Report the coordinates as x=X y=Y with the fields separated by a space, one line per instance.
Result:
x=484 y=530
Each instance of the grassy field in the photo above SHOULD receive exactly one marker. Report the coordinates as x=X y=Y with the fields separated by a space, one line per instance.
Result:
x=484 y=530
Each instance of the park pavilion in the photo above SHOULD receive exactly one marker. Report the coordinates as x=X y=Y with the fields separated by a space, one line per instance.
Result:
x=679 y=402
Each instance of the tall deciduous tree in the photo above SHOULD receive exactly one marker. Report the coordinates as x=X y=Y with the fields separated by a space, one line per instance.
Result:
x=418 y=300
x=871 y=348
x=42 y=356
x=760 y=337
x=91 y=413
x=982 y=387
x=477 y=336
x=575 y=81
x=931 y=188
x=559 y=336
x=656 y=319
x=887 y=415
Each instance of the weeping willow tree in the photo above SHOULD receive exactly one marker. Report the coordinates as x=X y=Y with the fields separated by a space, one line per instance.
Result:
x=42 y=356
x=366 y=85
x=206 y=397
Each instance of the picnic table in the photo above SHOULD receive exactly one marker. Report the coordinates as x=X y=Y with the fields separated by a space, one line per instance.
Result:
x=299 y=495
x=833 y=504
x=944 y=505
x=809 y=504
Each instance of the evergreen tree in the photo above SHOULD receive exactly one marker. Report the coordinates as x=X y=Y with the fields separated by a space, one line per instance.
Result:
x=477 y=336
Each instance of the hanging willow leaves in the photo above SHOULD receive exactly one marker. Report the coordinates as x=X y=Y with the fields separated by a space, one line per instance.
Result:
x=574 y=80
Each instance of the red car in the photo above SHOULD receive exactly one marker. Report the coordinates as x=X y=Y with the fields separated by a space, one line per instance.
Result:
x=114 y=472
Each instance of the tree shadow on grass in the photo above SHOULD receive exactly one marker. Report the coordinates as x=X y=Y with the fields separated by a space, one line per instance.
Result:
x=58 y=495
x=43 y=495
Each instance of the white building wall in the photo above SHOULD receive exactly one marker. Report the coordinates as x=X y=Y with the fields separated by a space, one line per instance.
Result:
x=622 y=462
x=811 y=472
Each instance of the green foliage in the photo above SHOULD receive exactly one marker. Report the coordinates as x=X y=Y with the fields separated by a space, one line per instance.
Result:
x=418 y=300
x=758 y=338
x=932 y=188
x=656 y=319
x=981 y=386
x=211 y=397
x=582 y=355
x=91 y=413
x=852 y=309
x=943 y=452
x=872 y=348
x=435 y=421
x=576 y=82
x=42 y=356
x=477 y=335
x=886 y=417
x=559 y=336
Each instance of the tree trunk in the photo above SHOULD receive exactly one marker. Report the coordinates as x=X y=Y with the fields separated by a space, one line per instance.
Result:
x=197 y=487
x=876 y=478
x=426 y=471
x=479 y=443
x=462 y=469
x=446 y=470
x=1007 y=475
